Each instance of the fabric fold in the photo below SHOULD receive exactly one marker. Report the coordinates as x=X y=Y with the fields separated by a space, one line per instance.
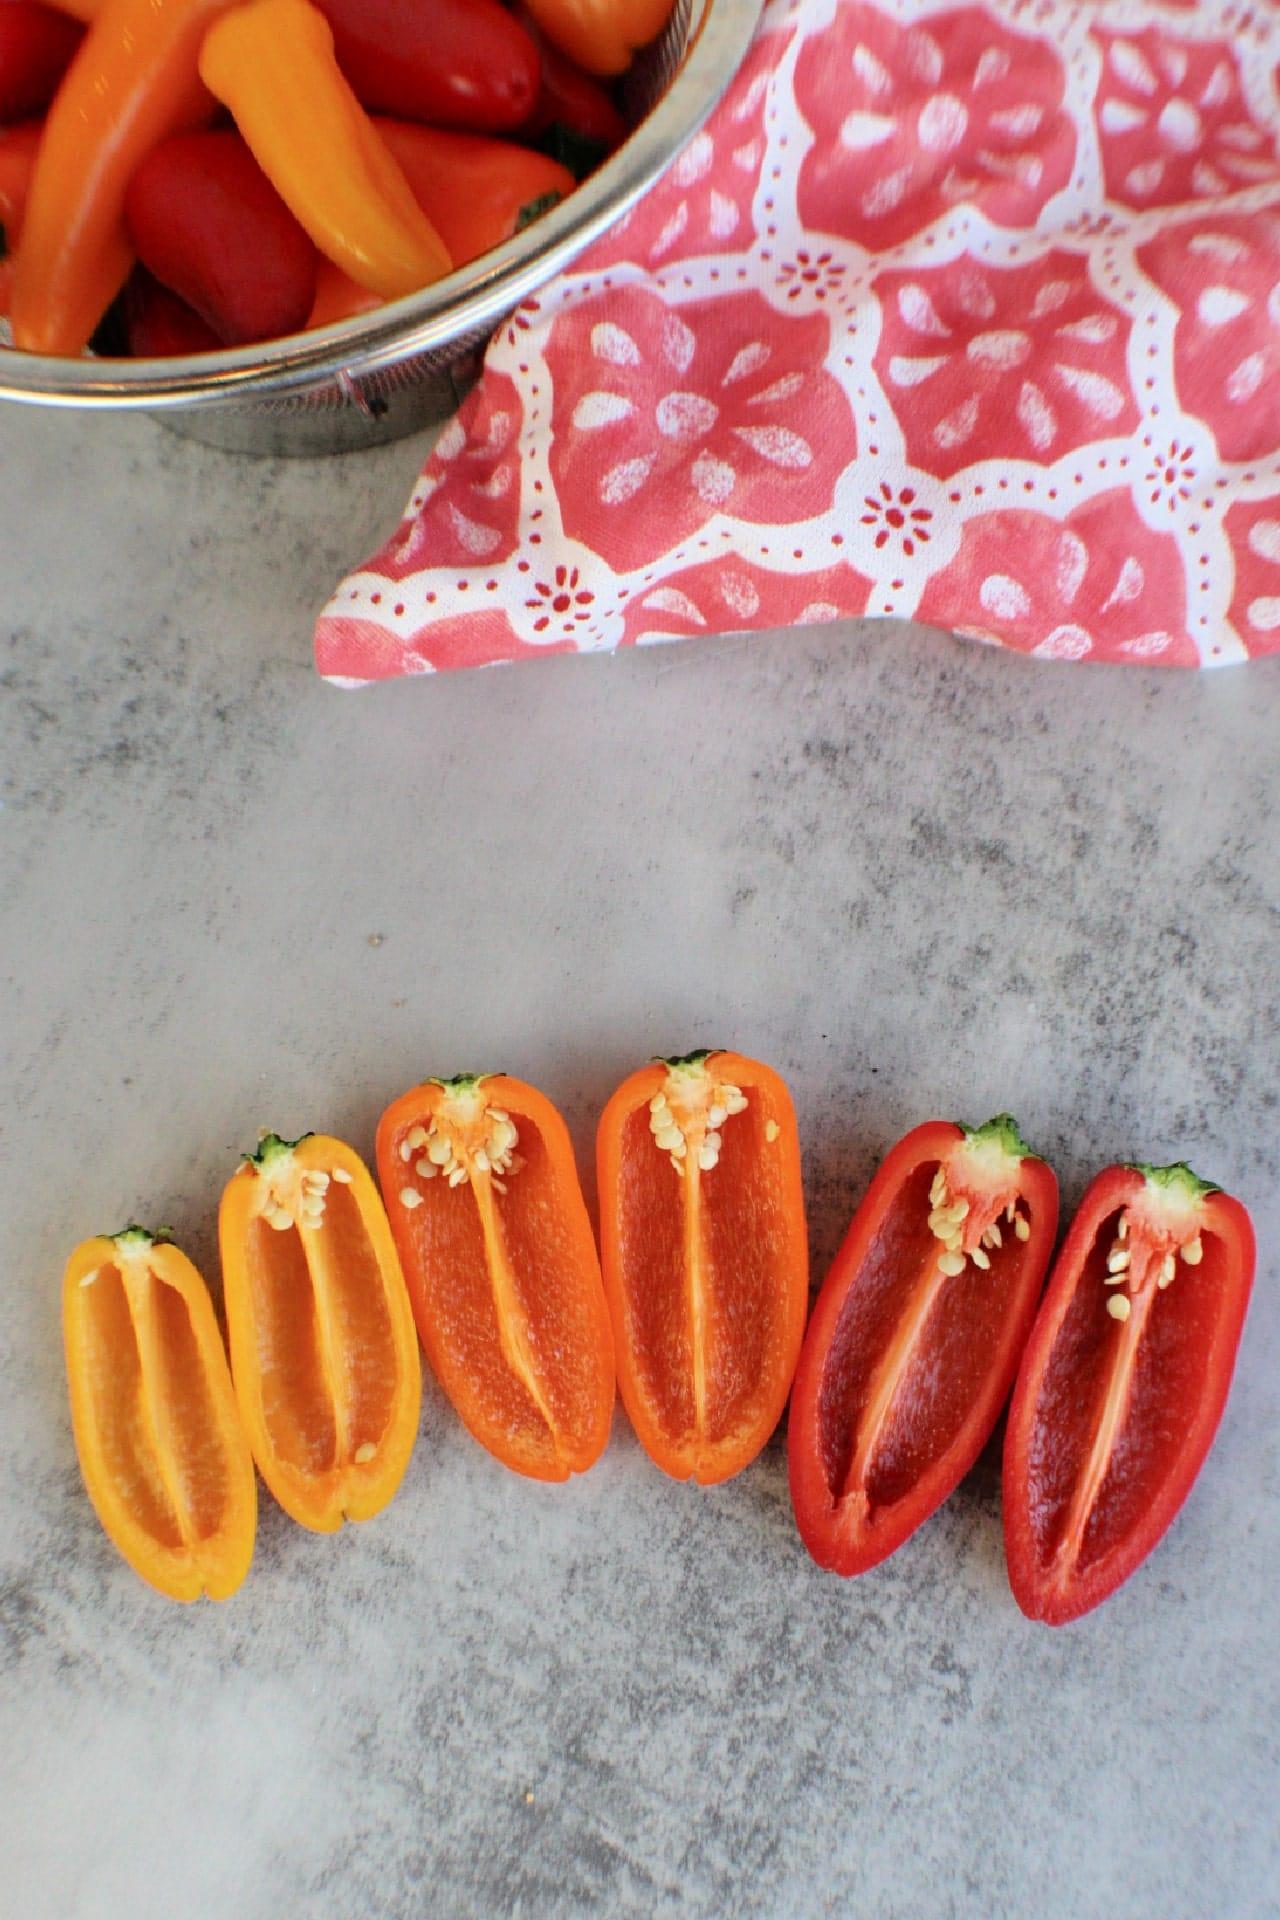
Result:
x=968 y=314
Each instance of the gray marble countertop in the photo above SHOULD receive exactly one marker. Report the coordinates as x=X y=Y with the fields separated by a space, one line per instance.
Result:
x=917 y=876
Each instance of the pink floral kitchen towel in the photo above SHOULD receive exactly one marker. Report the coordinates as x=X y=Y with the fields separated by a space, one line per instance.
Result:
x=969 y=313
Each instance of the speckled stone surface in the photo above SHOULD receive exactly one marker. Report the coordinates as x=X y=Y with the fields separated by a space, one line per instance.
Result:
x=917 y=876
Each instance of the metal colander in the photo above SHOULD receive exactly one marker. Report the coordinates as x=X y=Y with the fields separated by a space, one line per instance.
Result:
x=389 y=372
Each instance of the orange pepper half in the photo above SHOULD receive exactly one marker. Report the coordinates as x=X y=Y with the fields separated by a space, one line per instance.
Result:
x=323 y=1353
x=484 y=1201
x=705 y=1257
x=161 y=1449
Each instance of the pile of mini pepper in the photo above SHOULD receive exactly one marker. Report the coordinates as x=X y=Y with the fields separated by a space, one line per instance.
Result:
x=934 y=1313
x=180 y=175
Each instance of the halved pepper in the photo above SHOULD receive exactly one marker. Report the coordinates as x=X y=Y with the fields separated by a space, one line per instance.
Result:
x=483 y=1197
x=705 y=1258
x=272 y=63
x=323 y=1354
x=161 y=1449
x=916 y=1336
x=1122 y=1384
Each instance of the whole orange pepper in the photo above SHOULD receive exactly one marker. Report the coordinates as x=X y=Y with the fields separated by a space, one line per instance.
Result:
x=601 y=35
x=133 y=81
x=272 y=63
x=475 y=191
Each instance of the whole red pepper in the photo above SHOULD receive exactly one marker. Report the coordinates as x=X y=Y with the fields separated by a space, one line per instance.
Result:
x=208 y=224
x=36 y=46
x=455 y=63
x=157 y=325
x=17 y=162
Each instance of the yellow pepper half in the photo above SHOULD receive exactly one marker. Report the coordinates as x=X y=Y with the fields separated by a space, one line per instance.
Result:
x=272 y=64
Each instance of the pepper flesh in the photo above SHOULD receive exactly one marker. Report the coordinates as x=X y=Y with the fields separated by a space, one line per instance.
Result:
x=133 y=81
x=705 y=1257
x=272 y=63
x=484 y=1201
x=161 y=1450
x=1122 y=1384
x=603 y=36
x=915 y=1337
x=323 y=1354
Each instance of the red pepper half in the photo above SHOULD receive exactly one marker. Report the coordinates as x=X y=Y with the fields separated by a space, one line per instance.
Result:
x=456 y=63
x=1122 y=1384
x=916 y=1335
x=36 y=45
x=205 y=220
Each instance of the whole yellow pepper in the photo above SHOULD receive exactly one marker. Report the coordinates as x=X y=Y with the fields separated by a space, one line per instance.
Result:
x=601 y=35
x=272 y=63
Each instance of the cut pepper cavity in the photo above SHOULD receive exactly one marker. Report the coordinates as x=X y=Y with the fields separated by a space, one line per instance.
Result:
x=916 y=1336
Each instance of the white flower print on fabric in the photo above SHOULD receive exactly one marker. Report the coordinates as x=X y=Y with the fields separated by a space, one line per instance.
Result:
x=969 y=312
